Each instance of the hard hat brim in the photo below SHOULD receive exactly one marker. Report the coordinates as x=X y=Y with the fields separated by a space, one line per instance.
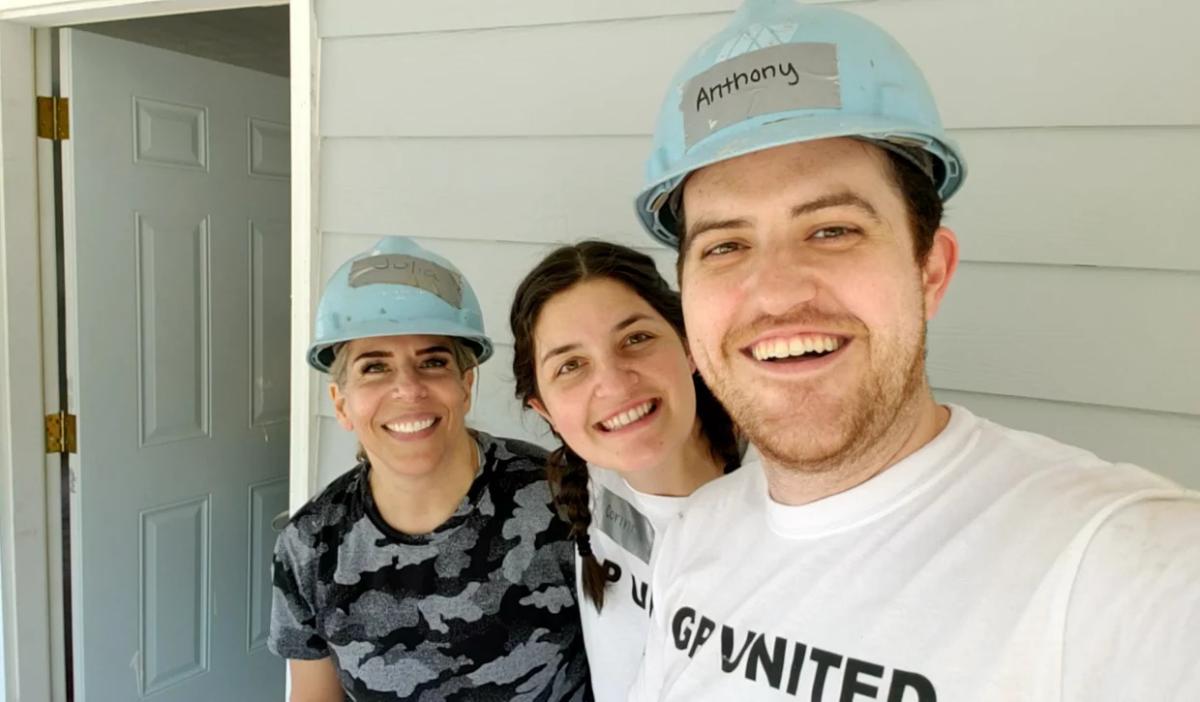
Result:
x=760 y=134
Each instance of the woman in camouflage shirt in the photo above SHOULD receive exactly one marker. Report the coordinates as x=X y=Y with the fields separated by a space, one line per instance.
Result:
x=435 y=569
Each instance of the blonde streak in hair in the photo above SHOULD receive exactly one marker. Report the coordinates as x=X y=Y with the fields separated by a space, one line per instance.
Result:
x=341 y=361
x=337 y=375
x=465 y=359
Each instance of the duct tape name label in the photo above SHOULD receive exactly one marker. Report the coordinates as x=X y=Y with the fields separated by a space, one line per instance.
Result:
x=780 y=78
x=401 y=269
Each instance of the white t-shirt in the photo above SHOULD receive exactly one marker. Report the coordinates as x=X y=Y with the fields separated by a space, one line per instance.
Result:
x=625 y=523
x=991 y=564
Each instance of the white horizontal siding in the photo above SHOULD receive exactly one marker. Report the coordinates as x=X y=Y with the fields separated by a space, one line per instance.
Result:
x=1108 y=196
x=375 y=17
x=992 y=63
x=1033 y=195
x=527 y=190
x=493 y=132
x=496 y=409
x=1124 y=338
x=335 y=451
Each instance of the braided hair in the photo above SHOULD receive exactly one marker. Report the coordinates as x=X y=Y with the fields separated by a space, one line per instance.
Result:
x=566 y=471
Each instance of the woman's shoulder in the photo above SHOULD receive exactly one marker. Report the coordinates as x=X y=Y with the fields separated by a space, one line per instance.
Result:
x=515 y=470
x=338 y=502
x=512 y=454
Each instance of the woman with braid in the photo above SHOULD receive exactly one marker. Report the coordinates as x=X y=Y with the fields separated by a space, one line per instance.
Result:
x=599 y=352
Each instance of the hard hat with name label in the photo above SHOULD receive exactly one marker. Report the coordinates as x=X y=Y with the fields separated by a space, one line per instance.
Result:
x=396 y=288
x=781 y=73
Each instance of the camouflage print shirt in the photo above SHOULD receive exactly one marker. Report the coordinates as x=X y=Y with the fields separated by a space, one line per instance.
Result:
x=482 y=609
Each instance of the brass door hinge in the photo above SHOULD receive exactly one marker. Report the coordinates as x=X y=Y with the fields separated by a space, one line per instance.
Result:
x=53 y=118
x=60 y=433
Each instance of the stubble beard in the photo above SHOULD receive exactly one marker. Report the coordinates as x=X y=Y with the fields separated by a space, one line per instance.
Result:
x=812 y=434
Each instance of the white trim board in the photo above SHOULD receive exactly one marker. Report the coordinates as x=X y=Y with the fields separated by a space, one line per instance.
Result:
x=61 y=13
x=306 y=251
x=28 y=504
x=23 y=524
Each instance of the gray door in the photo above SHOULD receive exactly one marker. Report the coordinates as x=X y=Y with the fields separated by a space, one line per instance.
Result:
x=177 y=262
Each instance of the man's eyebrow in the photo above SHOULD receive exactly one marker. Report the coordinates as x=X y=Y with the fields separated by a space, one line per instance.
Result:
x=842 y=199
x=706 y=225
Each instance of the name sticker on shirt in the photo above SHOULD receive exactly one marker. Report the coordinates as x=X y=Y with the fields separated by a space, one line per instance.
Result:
x=401 y=269
x=776 y=79
x=623 y=523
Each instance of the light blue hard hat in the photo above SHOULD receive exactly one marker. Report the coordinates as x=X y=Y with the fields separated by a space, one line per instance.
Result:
x=781 y=73
x=396 y=288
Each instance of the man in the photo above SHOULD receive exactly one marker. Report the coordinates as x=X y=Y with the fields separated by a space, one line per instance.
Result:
x=887 y=547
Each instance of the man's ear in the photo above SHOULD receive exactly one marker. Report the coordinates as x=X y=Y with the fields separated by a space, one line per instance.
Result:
x=537 y=406
x=938 y=269
x=339 y=407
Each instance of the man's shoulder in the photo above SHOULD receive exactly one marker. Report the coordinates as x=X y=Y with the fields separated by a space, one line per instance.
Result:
x=1026 y=454
x=989 y=440
x=1133 y=599
x=1149 y=533
x=1046 y=484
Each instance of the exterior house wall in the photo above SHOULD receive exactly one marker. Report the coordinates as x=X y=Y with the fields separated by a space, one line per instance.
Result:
x=492 y=133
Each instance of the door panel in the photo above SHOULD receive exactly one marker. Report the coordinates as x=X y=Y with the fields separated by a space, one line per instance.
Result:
x=177 y=183
x=173 y=298
x=173 y=606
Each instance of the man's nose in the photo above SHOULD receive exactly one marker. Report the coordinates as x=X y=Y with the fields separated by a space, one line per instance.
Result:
x=782 y=278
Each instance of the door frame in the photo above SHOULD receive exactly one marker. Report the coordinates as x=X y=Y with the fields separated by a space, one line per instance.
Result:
x=30 y=515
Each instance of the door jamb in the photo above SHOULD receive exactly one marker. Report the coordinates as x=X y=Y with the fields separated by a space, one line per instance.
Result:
x=29 y=509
